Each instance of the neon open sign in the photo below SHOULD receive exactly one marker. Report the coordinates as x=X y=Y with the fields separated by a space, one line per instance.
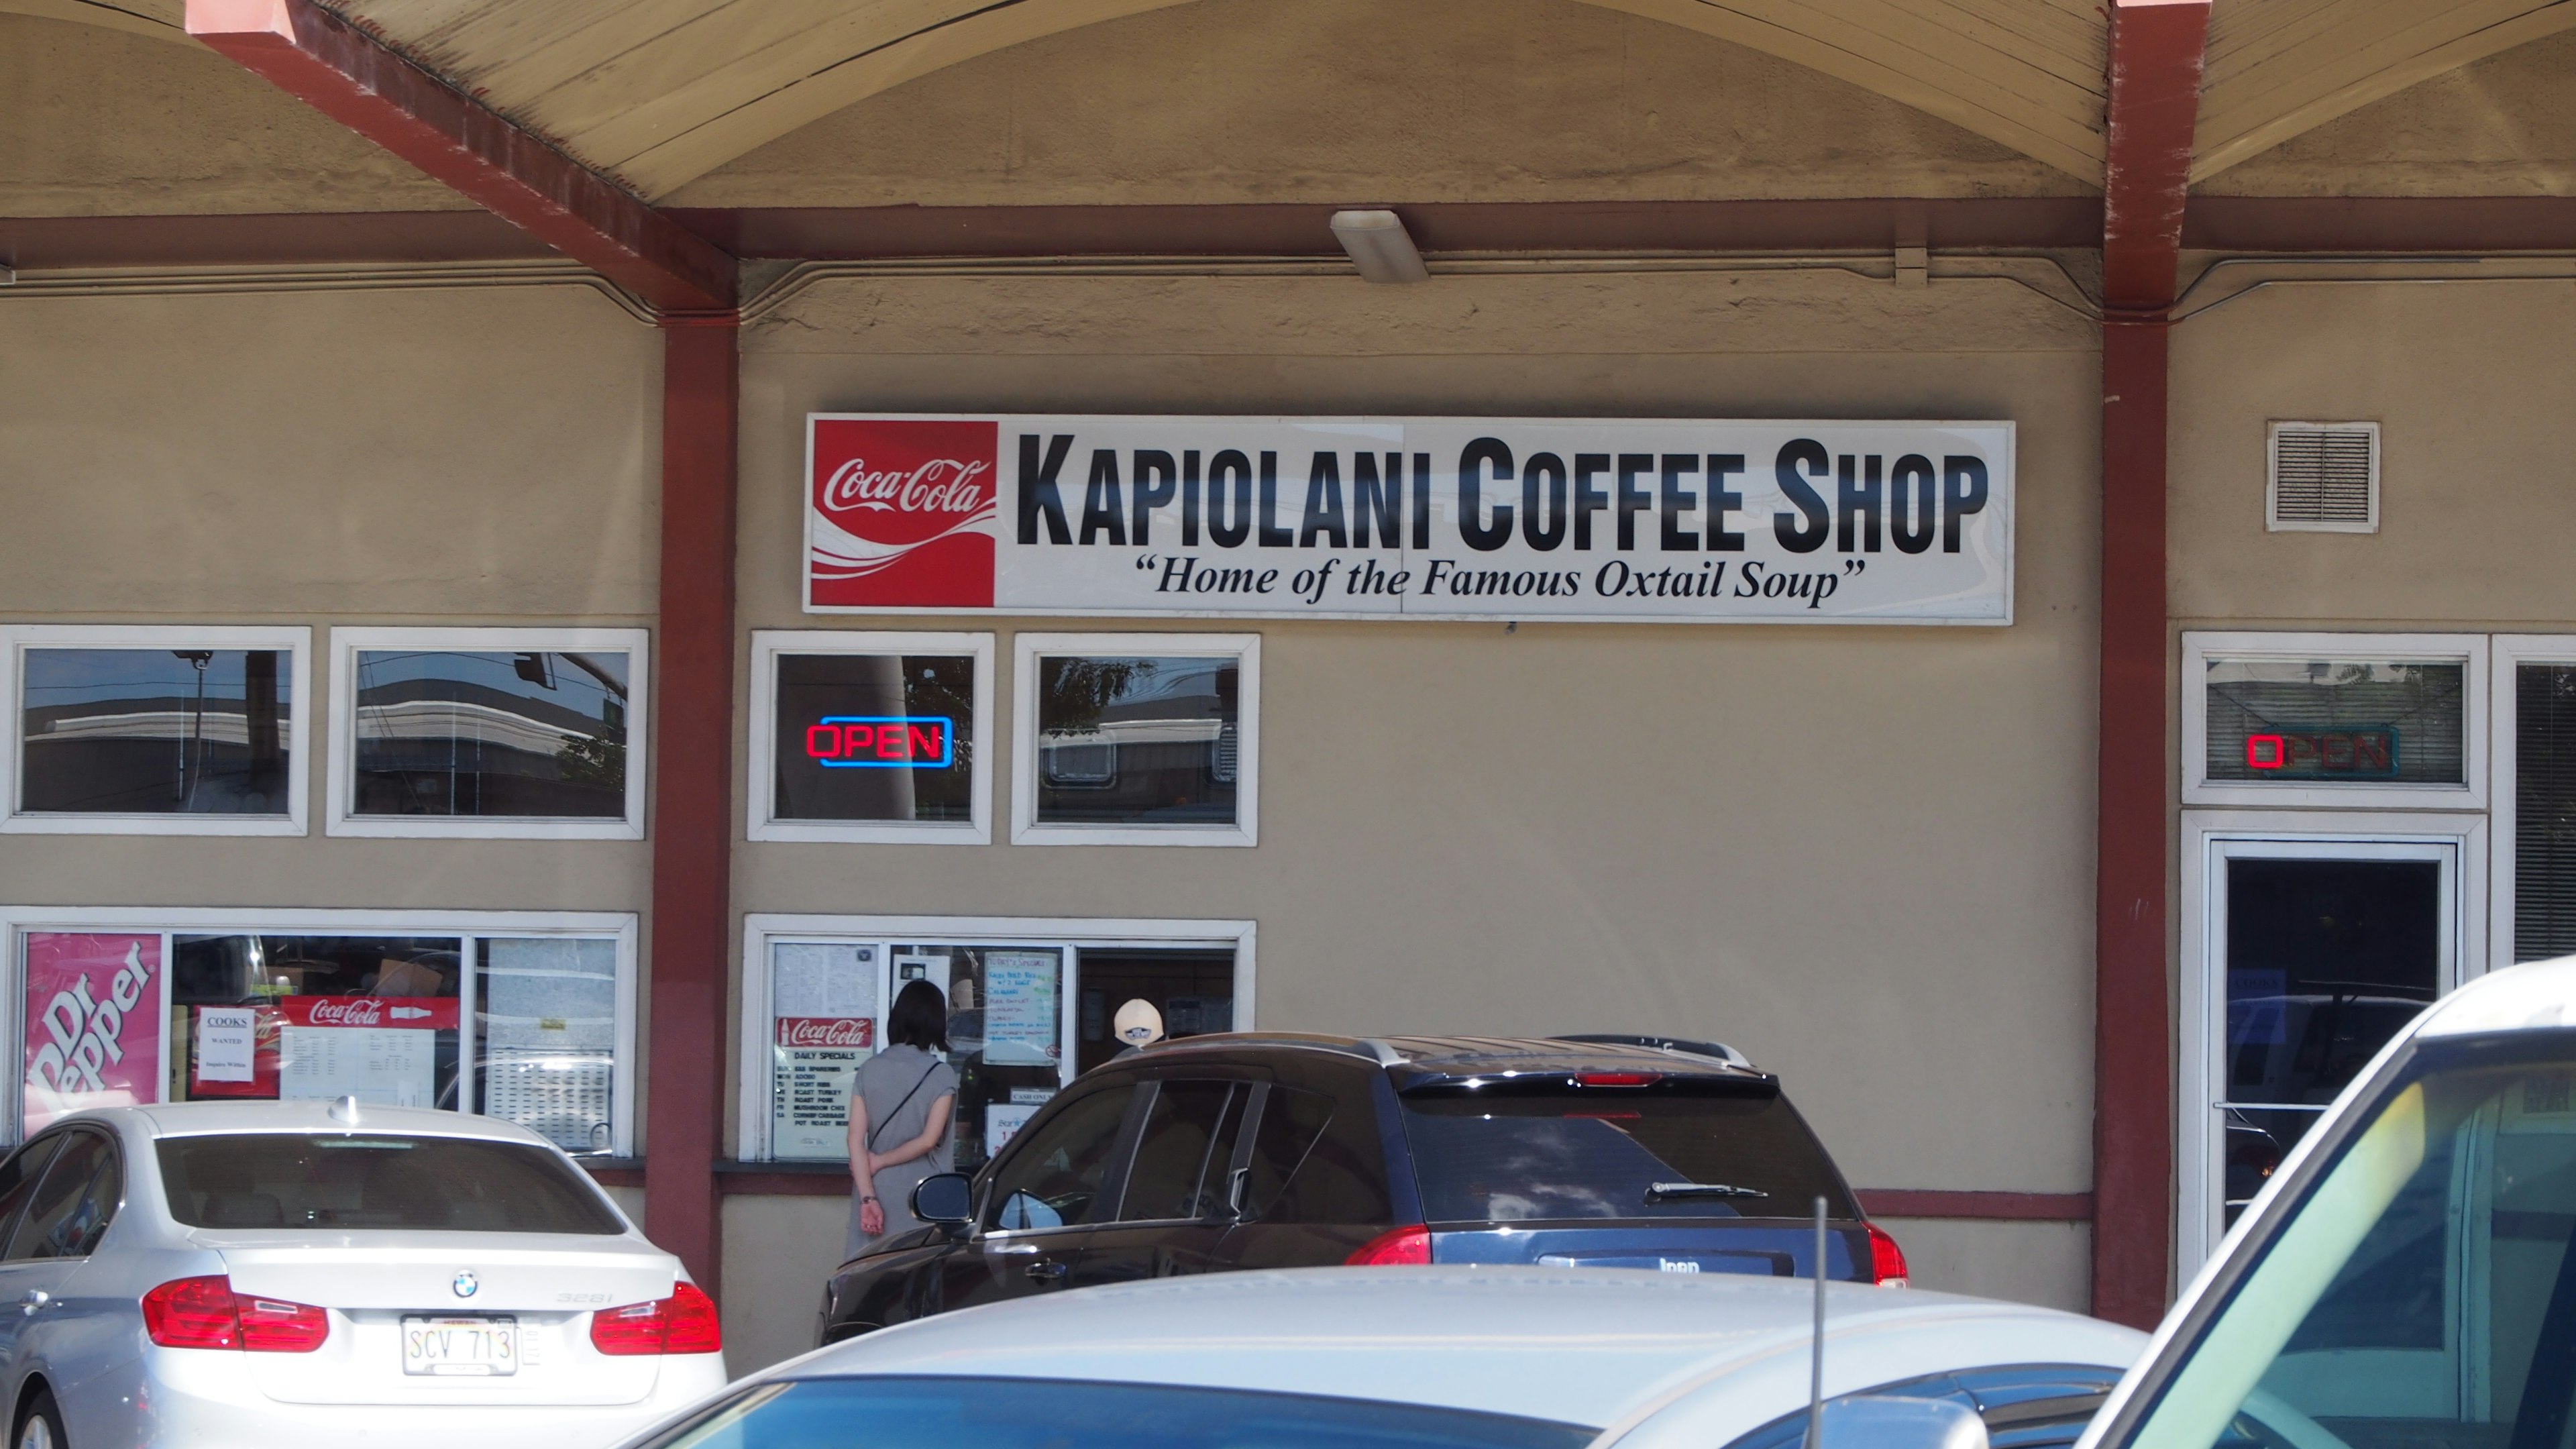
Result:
x=881 y=742
x=2367 y=752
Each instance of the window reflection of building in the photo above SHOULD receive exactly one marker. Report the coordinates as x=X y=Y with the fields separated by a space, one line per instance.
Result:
x=530 y=735
x=1142 y=741
x=154 y=731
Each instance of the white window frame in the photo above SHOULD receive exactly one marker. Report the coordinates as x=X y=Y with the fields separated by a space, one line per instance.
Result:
x=1245 y=648
x=2511 y=652
x=296 y=643
x=1072 y=935
x=2199 y=647
x=17 y=921
x=347 y=644
x=760 y=785
x=2207 y=836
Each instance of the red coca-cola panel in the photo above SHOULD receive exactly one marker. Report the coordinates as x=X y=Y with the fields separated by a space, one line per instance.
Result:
x=899 y=513
x=414 y=1013
x=826 y=1031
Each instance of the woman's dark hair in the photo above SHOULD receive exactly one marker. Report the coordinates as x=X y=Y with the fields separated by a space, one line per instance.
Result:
x=920 y=1017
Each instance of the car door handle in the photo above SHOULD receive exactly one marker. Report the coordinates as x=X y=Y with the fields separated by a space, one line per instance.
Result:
x=33 y=1299
x=1046 y=1270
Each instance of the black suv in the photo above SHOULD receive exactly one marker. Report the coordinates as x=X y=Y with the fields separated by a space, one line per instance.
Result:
x=1271 y=1150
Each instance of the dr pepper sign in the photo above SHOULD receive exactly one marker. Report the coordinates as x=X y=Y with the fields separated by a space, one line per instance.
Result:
x=93 y=1035
x=1643 y=520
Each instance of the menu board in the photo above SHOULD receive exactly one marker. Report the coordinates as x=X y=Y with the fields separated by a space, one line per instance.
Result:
x=1019 y=1008
x=375 y=1048
x=823 y=1008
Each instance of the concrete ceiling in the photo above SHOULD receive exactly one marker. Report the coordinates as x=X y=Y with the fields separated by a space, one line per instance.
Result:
x=660 y=92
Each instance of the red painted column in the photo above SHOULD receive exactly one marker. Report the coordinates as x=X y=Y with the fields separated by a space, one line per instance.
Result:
x=2156 y=54
x=692 y=923
x=2133 y=1110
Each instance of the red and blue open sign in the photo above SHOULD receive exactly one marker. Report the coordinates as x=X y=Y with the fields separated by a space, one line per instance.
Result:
x=881 y=742
x=2363 y=752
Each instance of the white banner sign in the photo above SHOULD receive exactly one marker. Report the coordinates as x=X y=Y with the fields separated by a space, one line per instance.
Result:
x=1654 y=520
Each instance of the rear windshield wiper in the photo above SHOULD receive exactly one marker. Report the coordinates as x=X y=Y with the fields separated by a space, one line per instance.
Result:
x=1668 y=1191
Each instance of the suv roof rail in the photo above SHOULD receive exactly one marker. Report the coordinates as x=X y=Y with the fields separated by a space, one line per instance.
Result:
x=1718 y=1049
x=1370 y=1047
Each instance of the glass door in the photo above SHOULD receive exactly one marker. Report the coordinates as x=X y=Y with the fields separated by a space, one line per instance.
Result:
x=2317 y=952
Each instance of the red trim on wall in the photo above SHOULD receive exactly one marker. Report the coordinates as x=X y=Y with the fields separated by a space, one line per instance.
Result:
x=42 y=242
x=2019 y=1207
x=1297 y=229
x=352 y=77
x=2460 y=224
x=692 y=825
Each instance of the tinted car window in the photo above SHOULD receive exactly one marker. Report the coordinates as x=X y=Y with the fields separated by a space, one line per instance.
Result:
x=64 y=1218
x=1052 y=1175
x=455 y=1184
x=1310 y=1166
x=1577 y=1152
x=19 y=1176
x=943 y=1412
x=1182 y=1160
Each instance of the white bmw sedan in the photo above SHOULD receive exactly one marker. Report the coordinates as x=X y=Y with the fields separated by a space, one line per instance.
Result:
x=1436 y=1358
x=285 y=1273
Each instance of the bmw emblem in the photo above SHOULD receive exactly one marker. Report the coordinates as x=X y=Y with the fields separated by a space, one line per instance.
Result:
x=466 y=1283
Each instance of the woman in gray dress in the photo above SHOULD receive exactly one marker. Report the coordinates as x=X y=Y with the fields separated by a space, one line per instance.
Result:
x=899 y=1117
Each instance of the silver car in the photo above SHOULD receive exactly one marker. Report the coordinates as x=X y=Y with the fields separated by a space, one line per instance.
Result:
x=268 y=1273
x=1495 y=1357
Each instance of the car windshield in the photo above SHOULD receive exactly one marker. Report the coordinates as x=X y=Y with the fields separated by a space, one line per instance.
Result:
x=942 y=1413
x=376 y=1180
x=1577 y=1152
x=2422 y=1294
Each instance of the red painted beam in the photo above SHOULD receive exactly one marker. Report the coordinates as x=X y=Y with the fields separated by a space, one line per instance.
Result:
x=2157 y=48
x=2156 y=51
x=692 y=924
x=356 y=80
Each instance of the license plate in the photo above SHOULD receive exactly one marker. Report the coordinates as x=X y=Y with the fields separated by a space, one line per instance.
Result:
x=462 y=1347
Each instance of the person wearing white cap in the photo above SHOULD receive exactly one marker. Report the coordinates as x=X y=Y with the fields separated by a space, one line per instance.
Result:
x=1138 y=1025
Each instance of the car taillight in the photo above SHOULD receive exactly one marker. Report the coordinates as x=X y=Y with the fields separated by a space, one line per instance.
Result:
x=1617 y=1079
x=685 y=1322
x=207 y=1313
x=1403 y=1248
x=1886 y=1260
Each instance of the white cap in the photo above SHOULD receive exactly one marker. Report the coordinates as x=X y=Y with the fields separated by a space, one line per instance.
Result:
x=1139 y=1024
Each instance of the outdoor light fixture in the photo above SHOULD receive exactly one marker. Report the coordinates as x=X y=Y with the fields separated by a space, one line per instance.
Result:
x=1379 y=246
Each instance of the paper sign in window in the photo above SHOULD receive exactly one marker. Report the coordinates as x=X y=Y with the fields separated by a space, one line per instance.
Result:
x=227 y=1043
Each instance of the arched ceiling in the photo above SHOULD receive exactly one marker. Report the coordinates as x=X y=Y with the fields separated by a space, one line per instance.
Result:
x=659 y=92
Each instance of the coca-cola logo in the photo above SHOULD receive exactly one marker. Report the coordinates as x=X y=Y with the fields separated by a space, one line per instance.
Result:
x=942 y=485
x=902 y=511
x=359 y=1011
x=825 y=1031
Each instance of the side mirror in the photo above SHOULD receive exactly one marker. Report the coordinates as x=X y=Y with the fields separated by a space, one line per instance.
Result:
x=947 y=1199
x=1871 y=1421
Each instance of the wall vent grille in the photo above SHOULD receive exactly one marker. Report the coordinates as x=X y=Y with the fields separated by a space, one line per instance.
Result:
x=2325 y=477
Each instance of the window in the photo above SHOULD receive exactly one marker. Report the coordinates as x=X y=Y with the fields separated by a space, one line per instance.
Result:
x=1136 y=739
x=1028 y=1001
x=2535 y=764
x=376 y=1180
x=1187 y=1152
x=1311 y=1164
x=529 y=1018
x=526 y=733
x=69 y=1213
x=2334 y=719
x=870 y=737
x=1055 y=1179
x=153 y=730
